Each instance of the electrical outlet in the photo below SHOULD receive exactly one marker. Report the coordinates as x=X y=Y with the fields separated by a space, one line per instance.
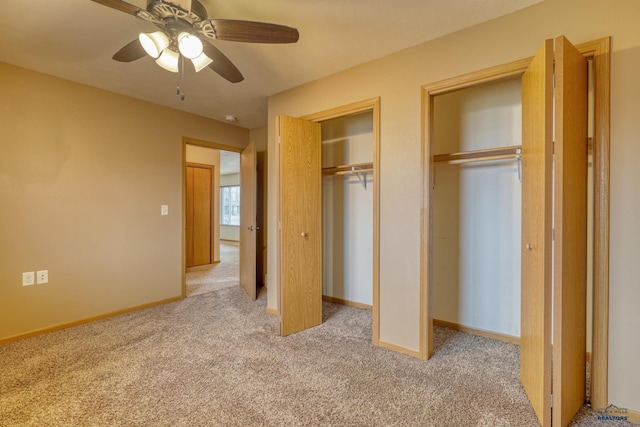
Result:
x=28 y=279
x=164 y=210
x=42 y=277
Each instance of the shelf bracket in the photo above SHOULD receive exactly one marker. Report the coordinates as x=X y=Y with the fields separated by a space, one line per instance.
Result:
x=362 y=181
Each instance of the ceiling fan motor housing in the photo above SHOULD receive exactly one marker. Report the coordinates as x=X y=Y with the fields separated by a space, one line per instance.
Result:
x=175 y=26
x=165 y=8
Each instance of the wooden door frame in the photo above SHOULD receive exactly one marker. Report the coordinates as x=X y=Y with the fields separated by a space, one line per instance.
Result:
x=599 y=52
x=373 y=105
x=200 y=143
x=212 y=230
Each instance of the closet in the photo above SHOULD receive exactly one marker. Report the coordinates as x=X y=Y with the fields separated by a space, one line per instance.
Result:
x=328 y=214
x=477 y=197
x=505 y=224
x=347 y=209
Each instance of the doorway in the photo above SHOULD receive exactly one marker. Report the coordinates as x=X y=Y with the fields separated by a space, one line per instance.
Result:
x=232 y=179
x=218 y=176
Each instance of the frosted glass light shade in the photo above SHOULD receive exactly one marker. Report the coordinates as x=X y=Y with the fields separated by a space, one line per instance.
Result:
x=201 y=61
x=154 y=43
x=169 y=60
x=190 y=46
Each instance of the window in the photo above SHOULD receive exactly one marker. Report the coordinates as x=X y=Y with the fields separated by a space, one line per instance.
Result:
x=230 y=205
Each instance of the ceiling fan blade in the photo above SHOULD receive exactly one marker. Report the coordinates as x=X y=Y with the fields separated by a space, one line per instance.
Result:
x=221 y=64
x=130 y=52
x=120 y=5
x=253 y=32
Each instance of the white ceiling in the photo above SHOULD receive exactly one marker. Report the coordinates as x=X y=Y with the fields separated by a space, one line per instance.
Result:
x=75 y=40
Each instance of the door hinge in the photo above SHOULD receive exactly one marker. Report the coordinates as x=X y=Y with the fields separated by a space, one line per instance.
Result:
x=553 y=234
x=278 y=139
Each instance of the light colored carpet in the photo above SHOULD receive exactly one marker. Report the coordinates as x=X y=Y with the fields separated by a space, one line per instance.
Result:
x=208 y=278
x=215 y=360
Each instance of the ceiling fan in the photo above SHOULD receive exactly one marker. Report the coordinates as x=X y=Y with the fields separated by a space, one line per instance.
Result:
x=184 y=31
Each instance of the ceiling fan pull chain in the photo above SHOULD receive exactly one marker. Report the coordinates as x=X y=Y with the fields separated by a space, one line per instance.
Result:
x=179 y=90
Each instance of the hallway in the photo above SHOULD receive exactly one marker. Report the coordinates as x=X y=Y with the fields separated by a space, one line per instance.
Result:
x=208 y=278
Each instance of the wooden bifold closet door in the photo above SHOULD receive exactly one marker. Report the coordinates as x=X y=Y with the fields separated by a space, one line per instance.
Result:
x=300 y=217
x=554 y=191
x=198 y=214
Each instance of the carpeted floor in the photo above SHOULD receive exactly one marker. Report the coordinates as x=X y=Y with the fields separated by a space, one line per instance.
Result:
x=209 y=278
x=215 y=360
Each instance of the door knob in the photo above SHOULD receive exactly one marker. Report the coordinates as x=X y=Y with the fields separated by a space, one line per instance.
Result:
x=257 y=228
x=303 y=234
x=528 y=247
x=250 y=228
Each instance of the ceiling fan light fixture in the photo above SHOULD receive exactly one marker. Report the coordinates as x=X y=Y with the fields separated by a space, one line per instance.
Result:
x=169 y=60
x=201 y=62
x=190 y=46
x=154 y=43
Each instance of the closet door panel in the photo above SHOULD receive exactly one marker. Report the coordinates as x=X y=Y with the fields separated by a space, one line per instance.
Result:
x=570 y=223
x=537 y=158
x=198 y=211
x=300 y=292
x=202 y=178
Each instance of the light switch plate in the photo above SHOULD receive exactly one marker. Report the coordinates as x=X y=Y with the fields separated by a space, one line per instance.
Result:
x=164 y=209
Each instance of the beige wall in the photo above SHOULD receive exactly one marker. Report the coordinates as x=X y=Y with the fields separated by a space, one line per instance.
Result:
x=259 y=136
x=83 y=173
x=397 y=80
x=624 y=345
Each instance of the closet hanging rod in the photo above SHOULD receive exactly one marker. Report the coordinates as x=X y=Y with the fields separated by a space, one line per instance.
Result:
x=350 y=172
x=499 y=153
x=360 y=170
x=348 y=169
